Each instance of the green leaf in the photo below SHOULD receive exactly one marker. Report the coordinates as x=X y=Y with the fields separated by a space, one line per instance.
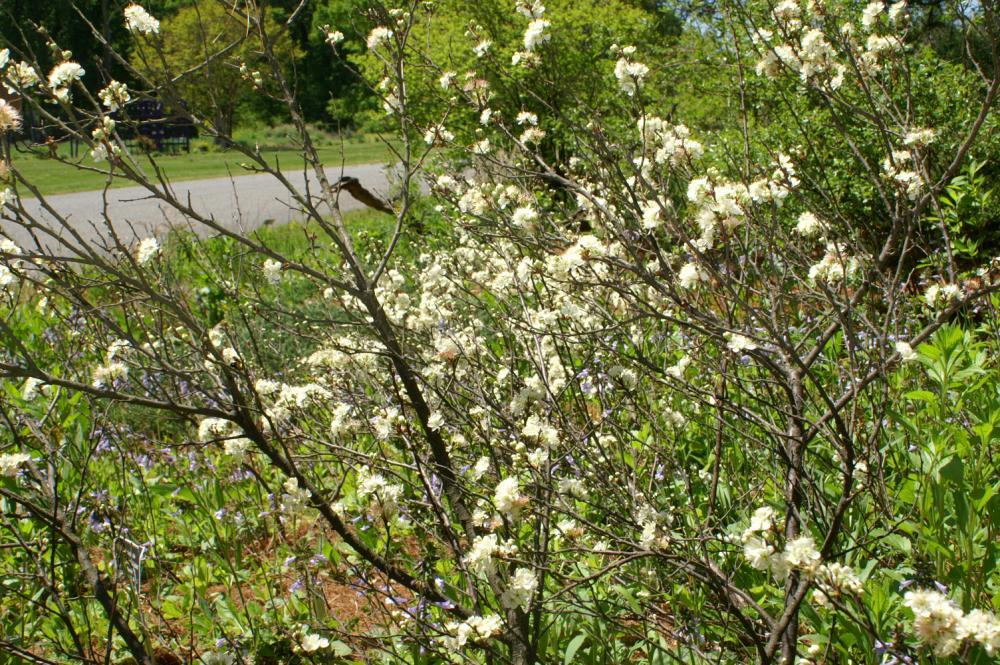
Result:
x=922 y=396
x=953 y=470
x=573 y=646
x=340 y=649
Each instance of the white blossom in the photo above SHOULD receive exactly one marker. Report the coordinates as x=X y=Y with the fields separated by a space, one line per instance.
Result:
x=630 y=74
x=983 y=627
x=941 y=295
x=530 y=8
x=10 y=464
x=214 y=428
x=936 y=620
x=786 y=10
x=526 y=118
x=871 y=13
x=139 y=21
x=271 y=271
x=758 y=553
x=62 y=77
x=378 y=36
x=524 y=217
x=30 y=389
x=437 y=134
x=479 y=559
x=114 y=96
x=20 y=76
x=237 y=448
x=906 y=352
x=148 y=250
x=535 y=34
x=507 y=497
x=919 y=137
x=690 y=275
x=522 y=588
x=801 y=554
x=10 y=117
x=482 y=48
x=332 y=37
x=738 y=343
x=808 y=225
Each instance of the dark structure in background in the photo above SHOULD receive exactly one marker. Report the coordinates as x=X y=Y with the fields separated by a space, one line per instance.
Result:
x=146 y=125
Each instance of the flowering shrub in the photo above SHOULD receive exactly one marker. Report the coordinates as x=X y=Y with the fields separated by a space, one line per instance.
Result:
x=670 y=400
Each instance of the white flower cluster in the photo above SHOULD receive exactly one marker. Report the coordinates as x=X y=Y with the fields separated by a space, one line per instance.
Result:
x=147 y=250
x=378 y=36
x=332 y=37
x=906 y=352
x=804 y=49
x=835 y=266
x=942 y=295
x=140 y=22
x=667 y=143
x=800 y=554
x=482 y=47
x=20 y=77
x=507 y=498
x=522 y=587
x=10 y=117
x=919 y=137
x=114 y=96
x=530 y=8
x=271 y=270
x=655 y=533
x=312 y=643
x=214 y=429
x=535 y=34
x=10 y=464
x=738 y=343
x=237 y=448
x=722 y=205
x=480 y=558
x=294 y=499
x=833 y=580
x=438 y=135
x=32 y=388
x=691 y=275
x=629 y=73
x=62 y=77
x=879 y=49
x=103 y=135
x=9 y=265
x=940 y=623
x=474 y=630
x=809 y=225
x=291 y=397
x=113 y=369
x=381 y=495
x=906 y=179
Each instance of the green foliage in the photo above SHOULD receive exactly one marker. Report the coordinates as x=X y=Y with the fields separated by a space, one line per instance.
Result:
x=569 y=83
x=969 y=212
x=209 y=44
x=952 y=431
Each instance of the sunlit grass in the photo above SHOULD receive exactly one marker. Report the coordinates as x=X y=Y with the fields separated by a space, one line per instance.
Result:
x=59 y=177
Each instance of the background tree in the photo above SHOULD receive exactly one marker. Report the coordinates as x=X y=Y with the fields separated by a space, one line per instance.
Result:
x=216 y=55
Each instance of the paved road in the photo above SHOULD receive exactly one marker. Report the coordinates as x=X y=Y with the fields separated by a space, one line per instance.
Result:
x=240 y=203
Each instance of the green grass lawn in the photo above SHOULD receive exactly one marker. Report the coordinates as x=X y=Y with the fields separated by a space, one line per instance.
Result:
x=55 y=177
